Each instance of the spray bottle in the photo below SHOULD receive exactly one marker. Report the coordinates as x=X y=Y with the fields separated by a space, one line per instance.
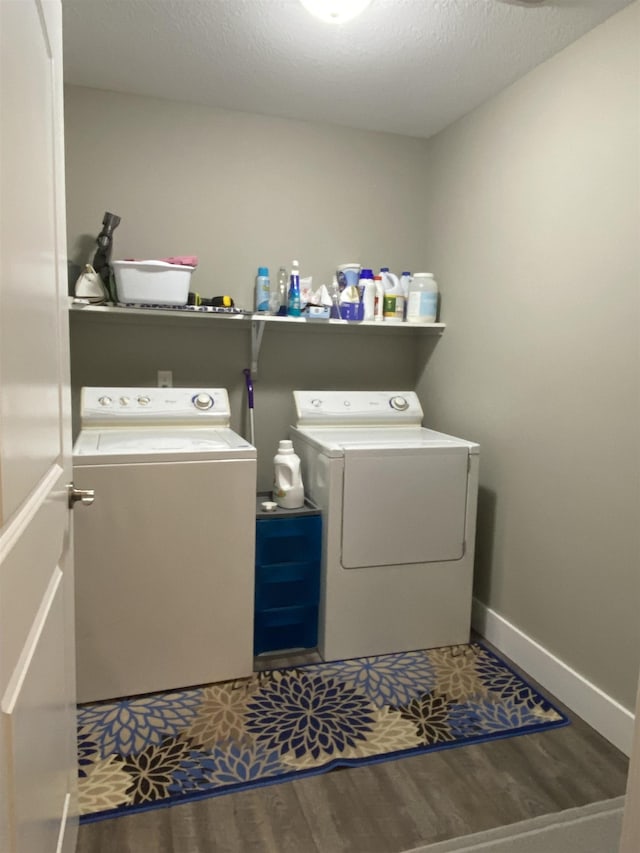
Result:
x=293 y=305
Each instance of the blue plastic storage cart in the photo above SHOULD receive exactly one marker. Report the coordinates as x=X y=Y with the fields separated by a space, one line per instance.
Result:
x=287 y=582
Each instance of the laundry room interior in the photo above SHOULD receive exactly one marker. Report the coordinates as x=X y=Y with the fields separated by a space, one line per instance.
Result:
x=525 y=207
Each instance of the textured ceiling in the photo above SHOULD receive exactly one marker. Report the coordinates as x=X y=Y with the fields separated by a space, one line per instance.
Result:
x=405 y=66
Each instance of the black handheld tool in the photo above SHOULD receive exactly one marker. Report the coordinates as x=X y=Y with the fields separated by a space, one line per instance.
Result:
x=102 y=257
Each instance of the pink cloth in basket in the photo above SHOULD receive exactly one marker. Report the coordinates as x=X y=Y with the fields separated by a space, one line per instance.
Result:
x=178 y=260
x=182 y=260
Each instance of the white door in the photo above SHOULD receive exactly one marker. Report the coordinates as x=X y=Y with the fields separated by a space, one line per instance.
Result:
x=630 y=841
x=37 y=670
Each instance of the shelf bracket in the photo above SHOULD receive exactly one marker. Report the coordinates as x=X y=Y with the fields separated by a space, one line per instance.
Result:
x=257 y=331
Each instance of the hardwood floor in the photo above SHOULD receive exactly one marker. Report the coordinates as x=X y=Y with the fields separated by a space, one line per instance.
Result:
x=384 y=808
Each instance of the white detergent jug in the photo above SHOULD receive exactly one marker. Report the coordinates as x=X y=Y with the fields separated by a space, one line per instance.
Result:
x=288 y=491
x=393 y=310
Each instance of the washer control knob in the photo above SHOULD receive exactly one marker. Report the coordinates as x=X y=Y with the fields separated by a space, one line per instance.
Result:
x=105 y=401
x=317 y=403
x=203 y=401
x=124 y=401
x=143 y=400
x=400 y=404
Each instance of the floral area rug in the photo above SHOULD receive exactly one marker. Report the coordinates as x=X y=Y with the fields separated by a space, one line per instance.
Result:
x=165 y=748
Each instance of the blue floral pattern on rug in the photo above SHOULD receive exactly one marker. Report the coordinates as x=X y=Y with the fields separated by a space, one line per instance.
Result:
x=311 y=714
x=149 y=751
x=130 y=725
x=387 y=679
x=244 y=763
x=87 y=750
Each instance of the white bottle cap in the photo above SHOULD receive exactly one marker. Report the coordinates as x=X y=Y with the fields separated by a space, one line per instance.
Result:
x=285 y=446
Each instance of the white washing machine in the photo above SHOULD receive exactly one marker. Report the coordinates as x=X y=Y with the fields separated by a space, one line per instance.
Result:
x=164 y=559
x=399 y=511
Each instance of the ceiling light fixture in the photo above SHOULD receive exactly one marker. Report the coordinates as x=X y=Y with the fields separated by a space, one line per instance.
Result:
x=335 y=11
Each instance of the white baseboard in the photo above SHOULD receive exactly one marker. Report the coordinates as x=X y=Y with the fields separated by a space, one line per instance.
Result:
x=601 y=712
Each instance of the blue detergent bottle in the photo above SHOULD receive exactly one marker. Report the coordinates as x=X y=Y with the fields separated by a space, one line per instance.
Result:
x=263 y=290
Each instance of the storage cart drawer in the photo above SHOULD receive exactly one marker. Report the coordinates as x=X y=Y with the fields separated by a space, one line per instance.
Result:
x=293 y=540
x=286 y=628
x=287 y=584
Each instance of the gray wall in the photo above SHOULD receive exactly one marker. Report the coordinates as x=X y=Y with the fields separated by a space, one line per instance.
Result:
x=534 y=228
x=240 y=191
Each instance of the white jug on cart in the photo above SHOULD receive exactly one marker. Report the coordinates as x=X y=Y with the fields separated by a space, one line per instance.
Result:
x=288 y=490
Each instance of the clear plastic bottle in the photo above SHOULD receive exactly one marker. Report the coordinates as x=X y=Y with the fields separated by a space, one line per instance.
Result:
x=422 y=305
x=379 y=299
x=274 y=298
x=334 y=293
x=405 y=282
x=288 y=490
x=283 y=292
x=263 y=290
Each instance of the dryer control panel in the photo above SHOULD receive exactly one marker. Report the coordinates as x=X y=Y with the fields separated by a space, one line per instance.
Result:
x=384 y=408
x=119 y=406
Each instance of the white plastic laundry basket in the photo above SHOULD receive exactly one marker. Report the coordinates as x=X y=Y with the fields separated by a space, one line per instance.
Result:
x=152 y=282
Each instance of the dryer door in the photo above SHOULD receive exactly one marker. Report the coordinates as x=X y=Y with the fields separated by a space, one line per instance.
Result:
x=403 y=506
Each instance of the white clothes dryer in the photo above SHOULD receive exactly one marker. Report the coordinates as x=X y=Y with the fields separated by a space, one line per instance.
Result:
x=164 y=559
x=399 y=515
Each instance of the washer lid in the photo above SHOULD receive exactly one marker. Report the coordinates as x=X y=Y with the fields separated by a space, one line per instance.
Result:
x=334 y=441
x=160 y=444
